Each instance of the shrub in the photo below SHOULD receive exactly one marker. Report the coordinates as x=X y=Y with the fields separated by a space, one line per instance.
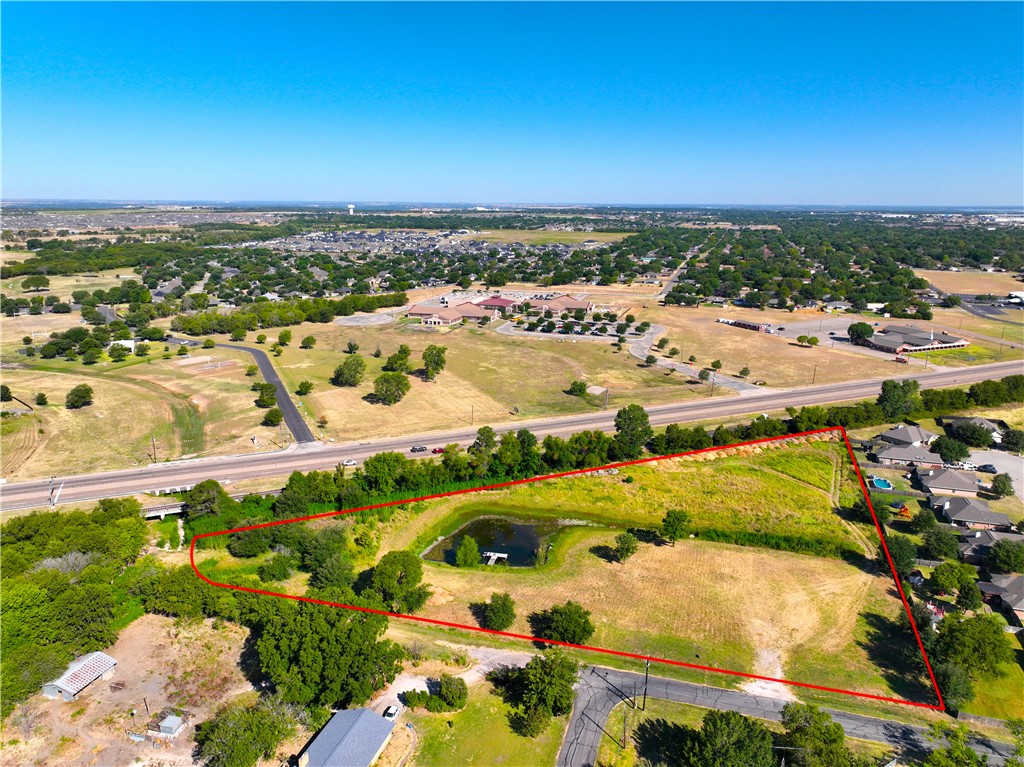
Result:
x=500 y=612
x=78 y=397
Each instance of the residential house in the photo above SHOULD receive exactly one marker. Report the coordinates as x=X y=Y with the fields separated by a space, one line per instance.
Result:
x=975 y=547
x=904 y=435
x=353 y=738
x=970 y=513
x=893 y=455
x=80 y=674
x=947 y=482
x=993 y=428
x=1006 y=591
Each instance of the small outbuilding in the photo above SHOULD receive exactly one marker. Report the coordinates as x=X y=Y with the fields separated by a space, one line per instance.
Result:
x=80 y=674
x=353 y=738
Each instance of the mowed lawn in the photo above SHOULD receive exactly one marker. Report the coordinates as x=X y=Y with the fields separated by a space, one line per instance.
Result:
x=480 y=735
x=487 y=377
x=778 y=361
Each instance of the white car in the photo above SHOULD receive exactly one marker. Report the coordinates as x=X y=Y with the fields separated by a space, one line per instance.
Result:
x=349 y=462
x=390 y=713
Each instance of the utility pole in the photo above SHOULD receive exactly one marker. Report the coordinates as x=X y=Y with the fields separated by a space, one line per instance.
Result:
x=647 y=674
x=814 y=375
x=154 y=449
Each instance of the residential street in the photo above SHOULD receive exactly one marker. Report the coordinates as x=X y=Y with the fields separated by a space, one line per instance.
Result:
x=1007 y=463
x=600 y=689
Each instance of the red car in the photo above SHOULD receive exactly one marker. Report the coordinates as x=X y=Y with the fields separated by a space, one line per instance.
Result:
x=437 y=450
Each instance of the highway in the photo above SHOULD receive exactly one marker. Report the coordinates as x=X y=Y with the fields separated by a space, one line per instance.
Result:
x=310 y=456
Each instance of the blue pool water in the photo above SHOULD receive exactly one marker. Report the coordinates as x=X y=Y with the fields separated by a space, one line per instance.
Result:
x=881 y=484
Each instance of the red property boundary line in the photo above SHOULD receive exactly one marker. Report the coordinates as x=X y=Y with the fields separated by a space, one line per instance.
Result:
x=620 y=653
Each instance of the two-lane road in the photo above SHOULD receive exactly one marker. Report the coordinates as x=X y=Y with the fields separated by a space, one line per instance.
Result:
x=310 y=456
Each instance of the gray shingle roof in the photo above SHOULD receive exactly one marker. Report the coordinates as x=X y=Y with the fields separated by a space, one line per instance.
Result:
x=970 y=510
x=907 y=454
x=350 y=739
x=1009 y=588
x=938 y=480
x=907 y=435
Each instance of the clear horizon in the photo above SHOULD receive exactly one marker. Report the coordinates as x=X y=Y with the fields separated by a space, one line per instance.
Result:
x=777 y=105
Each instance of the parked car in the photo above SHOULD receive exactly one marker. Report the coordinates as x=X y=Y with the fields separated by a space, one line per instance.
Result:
x=437 y=450
x=349 y=462
x=391 y=713
x=968 y=466
x=988 y=468
x=418 y=449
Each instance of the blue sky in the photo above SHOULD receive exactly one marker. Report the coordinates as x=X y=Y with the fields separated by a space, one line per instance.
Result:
x=895 y=104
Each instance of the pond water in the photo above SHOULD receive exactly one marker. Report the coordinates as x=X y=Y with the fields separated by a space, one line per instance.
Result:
x=521 y=539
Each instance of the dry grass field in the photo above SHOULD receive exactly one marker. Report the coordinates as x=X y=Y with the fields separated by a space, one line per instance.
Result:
x=63 y=286
x=958 y=320
x=778 y=361
x=200 y=409
x=488 y=374
x=978 y=283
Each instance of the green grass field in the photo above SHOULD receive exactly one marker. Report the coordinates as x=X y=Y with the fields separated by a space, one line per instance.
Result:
x=1002 y=698
x=480 y=734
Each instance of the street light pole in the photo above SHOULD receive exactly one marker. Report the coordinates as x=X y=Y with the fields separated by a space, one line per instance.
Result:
x=647 y=673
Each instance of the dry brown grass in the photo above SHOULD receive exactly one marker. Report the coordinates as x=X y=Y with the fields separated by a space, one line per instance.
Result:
x=542 y=236
x=979 y=283
x=63 y=286
x=774 y=359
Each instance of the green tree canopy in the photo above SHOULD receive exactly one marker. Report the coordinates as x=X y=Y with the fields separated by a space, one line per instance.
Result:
x=729 y=739
x=389 y=388
x=632 y=432
x=79 y=397
x=350 y=372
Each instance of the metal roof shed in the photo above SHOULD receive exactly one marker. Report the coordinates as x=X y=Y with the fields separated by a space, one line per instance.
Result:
x=80 y=674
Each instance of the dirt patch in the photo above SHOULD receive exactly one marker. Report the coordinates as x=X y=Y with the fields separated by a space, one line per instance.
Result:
x=161 y=664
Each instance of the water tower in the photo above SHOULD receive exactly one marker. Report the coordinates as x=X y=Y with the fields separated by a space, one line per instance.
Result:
x=351 y=209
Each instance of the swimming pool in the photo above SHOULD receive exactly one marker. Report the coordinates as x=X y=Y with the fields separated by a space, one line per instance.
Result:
x=881 y=484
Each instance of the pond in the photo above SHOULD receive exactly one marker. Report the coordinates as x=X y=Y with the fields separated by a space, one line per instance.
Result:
x=520 y=539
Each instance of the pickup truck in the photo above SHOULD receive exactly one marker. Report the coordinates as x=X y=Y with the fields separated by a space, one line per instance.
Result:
x=902 y=360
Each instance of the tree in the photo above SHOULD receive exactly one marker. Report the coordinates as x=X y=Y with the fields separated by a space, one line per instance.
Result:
x=261 y=338
x=305 y=387
x=350 y=372
x=704 y=375
x=251 y=370
x=453 y=692
x=399 y=361
x=941 y=543
x=389 y=388
x=78 y=397
x=284 y=337
x=802 y=340
x=650 y=360
x=1006 y=556
x=729 y=739
x=241 y=736
x=716 y=365
x=117 y=352
x=632 y=432
x=813 y=739
x=564 y=623
x=546 y=683
x=41 y=400
x=969 y=597
x=1013 y=440
x=924 y=521
x=626 y=545
x=5 y=393
x=577 y=389
x=957 y=752
x=662 y=343
x=813 y=341
x=351 y=347
x=1002 y=486
x=434 y=360
x=35 y=282
x=692 y=359
x=972 y=434
x=266 y=394
x=950 y=576
x=950 y=450
x=903 y=553
x=859 y=332
x=955 y=685
x=273 y=417
x=238 y=334
x=396 y=580
x=500 y=613
x=978 y=645
x=744 y=371
x=467 y=553
x=674 y=525
x=182 y=351
x=308 y=342
x=208 y=497
x=209 y=343
x=899 y=398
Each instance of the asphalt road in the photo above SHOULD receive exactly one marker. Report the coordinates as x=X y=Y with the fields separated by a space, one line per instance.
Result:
x=598 y=690
x=309 y=456
x=292 y=418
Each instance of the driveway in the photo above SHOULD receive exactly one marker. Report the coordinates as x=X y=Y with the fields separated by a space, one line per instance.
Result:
x=1006 y=463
